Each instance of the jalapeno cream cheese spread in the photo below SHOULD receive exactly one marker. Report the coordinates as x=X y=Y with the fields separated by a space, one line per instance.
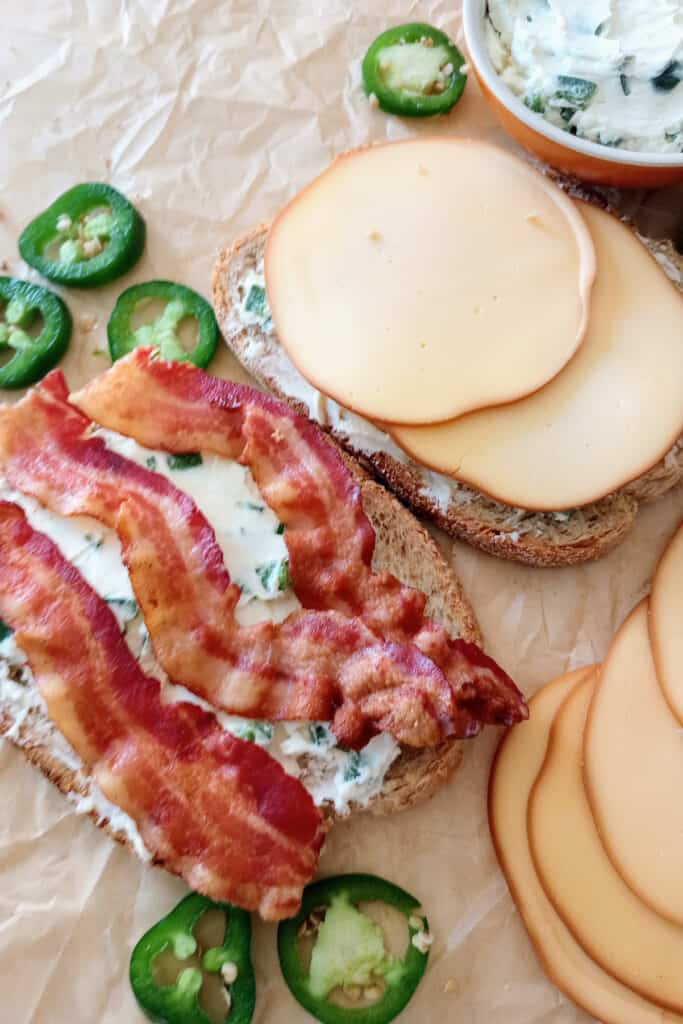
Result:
x=253 y=544
x=610 y=71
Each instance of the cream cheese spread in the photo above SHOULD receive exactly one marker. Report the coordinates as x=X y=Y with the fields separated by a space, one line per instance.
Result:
x=263 y=354
x=609 y=71
x=255 y=554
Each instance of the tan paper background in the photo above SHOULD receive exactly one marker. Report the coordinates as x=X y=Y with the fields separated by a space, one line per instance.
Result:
x=209 y=115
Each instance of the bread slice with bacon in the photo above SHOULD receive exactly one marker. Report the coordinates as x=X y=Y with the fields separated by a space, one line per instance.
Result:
x=403 y=548
x=534 y=538
x=384 y=641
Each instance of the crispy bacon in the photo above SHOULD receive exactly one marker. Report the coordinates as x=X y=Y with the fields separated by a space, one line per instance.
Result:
x=316 y=665
x=303 y=478
x=218 y=811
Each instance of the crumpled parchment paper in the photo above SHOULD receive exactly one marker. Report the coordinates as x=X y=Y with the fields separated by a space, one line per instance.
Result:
x=210 y=115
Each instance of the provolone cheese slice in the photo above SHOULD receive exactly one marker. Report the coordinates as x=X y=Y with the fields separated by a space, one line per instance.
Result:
x=418 y=280
x=607 y=418
x=514 y=771
x=666 y=624
x=616 y=929
x=633 y=750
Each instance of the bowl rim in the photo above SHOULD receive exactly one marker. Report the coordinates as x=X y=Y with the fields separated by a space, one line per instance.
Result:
x=473 y=27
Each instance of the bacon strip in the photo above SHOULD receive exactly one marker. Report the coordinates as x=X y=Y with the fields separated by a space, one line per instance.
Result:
x=317 y=665
x=303 y=478
x=218 y=811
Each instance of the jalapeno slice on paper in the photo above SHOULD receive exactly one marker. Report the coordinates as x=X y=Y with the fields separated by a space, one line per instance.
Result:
x=181 y=974
x=180 y=303
x=349 y=955
x=414 y=71
x=88 y=237
x=22 y=308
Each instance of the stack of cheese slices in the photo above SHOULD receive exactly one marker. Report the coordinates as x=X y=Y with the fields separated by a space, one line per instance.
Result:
x=587 y=819
x=507 y=358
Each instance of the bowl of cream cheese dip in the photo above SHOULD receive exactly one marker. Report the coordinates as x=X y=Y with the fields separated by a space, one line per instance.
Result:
x=595 y=89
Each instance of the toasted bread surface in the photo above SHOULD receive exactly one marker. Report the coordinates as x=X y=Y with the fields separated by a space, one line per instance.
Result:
x=533 y=538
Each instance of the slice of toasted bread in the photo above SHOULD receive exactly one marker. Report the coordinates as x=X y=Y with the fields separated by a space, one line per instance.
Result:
x=539 y=539
x=404 y=548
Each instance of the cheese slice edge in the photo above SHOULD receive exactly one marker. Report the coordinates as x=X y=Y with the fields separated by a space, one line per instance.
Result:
x=606 y=419
x=409 y=285
x=633 y=767
x=619 y=932
x=513 y=773
x=666 y=613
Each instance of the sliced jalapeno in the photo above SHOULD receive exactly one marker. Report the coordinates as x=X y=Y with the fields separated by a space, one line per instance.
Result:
x=34 y=354
x=162 y=333
x=88 y=237
x=349 y=955
x=414 y=71
x=226 y=966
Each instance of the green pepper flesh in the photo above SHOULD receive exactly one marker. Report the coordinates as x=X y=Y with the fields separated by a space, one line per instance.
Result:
x=181 y=302
x=33 y=356
x=414 y=71
x=401 y=976
x=179 y=1003
x=97 y=233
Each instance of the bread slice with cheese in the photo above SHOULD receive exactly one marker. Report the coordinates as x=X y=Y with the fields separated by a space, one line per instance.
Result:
x=404 y=548
x=535 y=538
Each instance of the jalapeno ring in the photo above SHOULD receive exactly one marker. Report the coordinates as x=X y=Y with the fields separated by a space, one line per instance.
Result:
x=398 y=978
x=33 y=356
x=181 y=302
x=414 y=71
x=88 y=237
x=179 y=1003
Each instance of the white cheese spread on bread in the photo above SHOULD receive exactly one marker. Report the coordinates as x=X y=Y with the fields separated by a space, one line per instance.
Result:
x=252 y=542
x=264 y=350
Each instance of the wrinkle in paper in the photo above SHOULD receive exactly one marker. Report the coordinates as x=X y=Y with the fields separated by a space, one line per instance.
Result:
x=210 y=114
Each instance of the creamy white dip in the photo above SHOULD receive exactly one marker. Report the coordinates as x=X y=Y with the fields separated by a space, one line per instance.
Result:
x=610 y=71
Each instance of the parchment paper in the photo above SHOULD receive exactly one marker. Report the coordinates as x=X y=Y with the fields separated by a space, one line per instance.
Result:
x=210 y=115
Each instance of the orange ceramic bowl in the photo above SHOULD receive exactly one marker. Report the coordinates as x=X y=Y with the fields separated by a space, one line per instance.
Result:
x=589 y=161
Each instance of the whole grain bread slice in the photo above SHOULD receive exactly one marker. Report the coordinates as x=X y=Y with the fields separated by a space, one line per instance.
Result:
x=404 y=548
x=538 y=539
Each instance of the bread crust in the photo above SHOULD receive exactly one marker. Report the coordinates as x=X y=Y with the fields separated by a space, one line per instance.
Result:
x=71 y=783
x=537 y=539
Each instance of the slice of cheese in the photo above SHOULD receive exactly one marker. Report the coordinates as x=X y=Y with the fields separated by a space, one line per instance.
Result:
x=616 y=929
x=633 y=751
x=666 y=624
x=516 y=765
x=418 y=280
x=607 y=418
